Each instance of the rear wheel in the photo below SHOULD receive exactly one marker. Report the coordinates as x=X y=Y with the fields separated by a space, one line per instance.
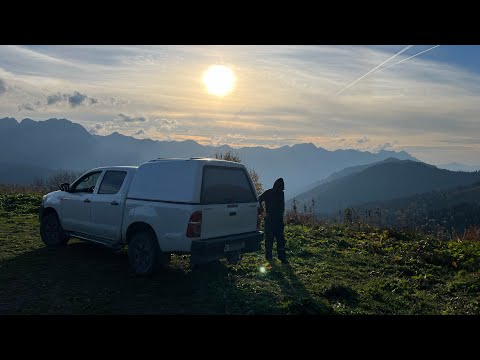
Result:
x=51 y=231
x=144 y=254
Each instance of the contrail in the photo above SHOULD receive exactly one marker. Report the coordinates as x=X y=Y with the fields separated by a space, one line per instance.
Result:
x=424 y=51
x=375 y=68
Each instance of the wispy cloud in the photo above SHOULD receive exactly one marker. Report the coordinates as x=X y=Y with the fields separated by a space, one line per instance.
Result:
x=27 y=107
x=73 y=100
x=132 y=119
x=362 y=140
x=3 y=87
x=283 y=95
x=167 y=124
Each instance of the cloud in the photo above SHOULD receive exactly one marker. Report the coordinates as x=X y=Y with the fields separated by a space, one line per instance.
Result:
x=127 y=118
x=77 y=99
x=95 y=129
x=52 y=99
x=28 y=107
x=167 y=124
x=384 y=146
x=3 y=87
x=74 y=100
x=363 y=140
x=102 y=128
x=112 y=100
x=139 y=132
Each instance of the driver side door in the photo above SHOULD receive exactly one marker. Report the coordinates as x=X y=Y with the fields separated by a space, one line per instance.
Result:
x=76 y=204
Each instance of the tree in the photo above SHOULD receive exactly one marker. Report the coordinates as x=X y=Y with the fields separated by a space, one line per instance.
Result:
x=229 y=156
x=54 y=181
x=38 y=182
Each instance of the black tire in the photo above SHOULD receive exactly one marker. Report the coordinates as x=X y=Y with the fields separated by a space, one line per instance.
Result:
x=51 y=230
x=144 y=253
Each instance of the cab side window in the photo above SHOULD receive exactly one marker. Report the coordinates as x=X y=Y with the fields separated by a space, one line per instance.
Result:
x=86 y=184
x=112 y=182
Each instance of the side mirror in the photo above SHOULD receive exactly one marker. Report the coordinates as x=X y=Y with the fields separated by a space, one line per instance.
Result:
x=65 y=187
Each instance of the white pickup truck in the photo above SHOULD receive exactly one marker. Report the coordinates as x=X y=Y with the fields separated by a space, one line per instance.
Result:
x=204 y=207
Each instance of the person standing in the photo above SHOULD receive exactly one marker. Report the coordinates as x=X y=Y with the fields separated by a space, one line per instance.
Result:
x=274 y=199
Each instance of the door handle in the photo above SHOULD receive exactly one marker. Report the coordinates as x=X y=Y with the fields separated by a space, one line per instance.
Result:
x=86 y=200
x=114 y=203
x=233 y=213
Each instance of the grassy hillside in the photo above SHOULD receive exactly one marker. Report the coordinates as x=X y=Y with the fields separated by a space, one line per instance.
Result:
x=342 y=173
x=457 y=209
x=380 y=182
x=334 y=269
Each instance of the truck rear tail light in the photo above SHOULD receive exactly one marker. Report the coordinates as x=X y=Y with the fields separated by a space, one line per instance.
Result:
x=194 y=227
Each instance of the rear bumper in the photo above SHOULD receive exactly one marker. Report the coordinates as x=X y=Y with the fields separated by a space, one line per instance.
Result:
x=207 y=250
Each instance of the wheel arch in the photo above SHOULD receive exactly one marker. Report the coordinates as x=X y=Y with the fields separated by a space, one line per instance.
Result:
x=139 y=226
x=49 y=210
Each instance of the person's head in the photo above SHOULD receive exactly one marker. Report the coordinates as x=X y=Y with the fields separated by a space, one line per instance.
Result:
x=279 y=185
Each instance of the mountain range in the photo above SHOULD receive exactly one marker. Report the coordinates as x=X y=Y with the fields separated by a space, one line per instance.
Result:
x=62 y=144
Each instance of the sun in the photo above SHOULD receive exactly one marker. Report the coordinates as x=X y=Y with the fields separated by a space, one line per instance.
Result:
x=219 y=80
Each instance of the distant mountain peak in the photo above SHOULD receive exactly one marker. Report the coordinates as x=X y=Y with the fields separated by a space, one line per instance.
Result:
x=193 y=142
x=304 y=146
x=9 y=119
x=27 y=121
x=7 y=122
x=392 y=159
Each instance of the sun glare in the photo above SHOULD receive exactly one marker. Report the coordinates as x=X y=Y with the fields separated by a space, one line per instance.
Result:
x=219 y=80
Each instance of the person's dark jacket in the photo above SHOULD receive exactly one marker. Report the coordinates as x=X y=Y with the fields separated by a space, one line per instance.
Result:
x=274 y=200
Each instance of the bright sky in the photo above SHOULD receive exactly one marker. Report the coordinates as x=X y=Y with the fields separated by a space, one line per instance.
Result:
x=260 y=96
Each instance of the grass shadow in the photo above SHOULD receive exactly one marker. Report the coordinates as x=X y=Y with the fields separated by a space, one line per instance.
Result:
x=303 y=303
x=85 y=278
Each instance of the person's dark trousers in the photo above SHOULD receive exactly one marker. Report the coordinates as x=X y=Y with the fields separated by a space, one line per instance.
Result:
x=274 y=229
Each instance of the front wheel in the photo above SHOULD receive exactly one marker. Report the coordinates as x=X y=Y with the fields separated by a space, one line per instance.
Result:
x=51 y=231
x=143 y=253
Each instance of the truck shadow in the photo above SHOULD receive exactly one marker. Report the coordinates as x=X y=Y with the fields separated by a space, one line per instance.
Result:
x=84 y=278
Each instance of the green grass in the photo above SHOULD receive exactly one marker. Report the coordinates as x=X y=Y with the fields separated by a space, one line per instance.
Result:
x=333 y=270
